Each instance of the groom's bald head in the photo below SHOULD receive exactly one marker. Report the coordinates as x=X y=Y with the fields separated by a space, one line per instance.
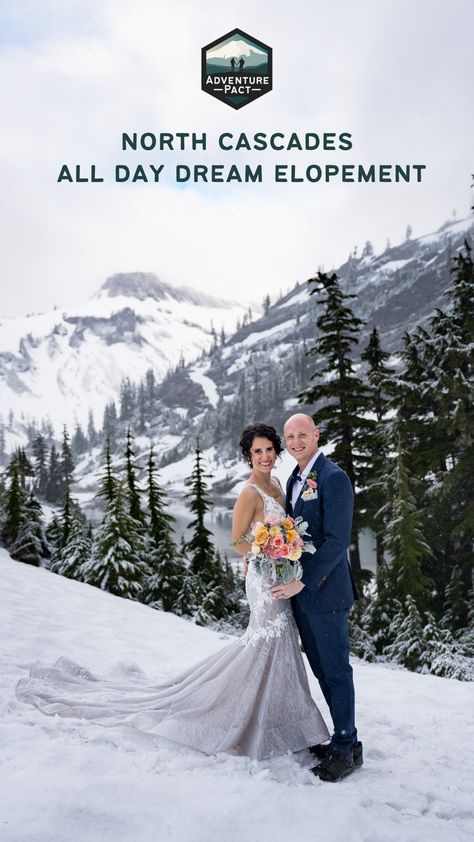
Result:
x=301 y=438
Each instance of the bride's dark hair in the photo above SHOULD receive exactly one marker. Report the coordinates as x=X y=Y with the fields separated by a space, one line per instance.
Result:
x=262 y=431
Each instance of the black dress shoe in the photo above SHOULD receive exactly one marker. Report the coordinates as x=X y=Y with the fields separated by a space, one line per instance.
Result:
x=321 y=751
x=334 y=767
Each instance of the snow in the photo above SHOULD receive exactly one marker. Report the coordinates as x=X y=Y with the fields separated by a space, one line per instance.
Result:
x=65 y=779
x=393 y=265
x=62 y=363
x=299 y=298
x=259 y=336
x=208 y=385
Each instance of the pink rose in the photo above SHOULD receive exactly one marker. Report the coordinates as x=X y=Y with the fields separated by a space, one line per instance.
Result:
x=311 y=483
x=285 y=551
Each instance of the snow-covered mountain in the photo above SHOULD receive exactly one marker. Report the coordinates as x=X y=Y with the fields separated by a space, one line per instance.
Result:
x=60 y=364
x=67 y=779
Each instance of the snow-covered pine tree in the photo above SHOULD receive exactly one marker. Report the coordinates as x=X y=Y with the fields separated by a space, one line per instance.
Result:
x=407 y=631
x=342 y=399
x=455 y=604
x=108 y=480
x=162 y=588
x=77 y=550
x=118 y=556
x=30 y=545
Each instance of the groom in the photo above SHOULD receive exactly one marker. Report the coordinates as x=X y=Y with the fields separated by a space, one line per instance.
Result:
x=320 y=492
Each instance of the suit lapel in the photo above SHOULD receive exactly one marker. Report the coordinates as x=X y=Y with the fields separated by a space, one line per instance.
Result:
x=318 y=467
x=289 y=489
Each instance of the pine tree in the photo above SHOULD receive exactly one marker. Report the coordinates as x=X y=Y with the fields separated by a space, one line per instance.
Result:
x=404 y=537
x=77 y=550
x=41 y=470
x=133 y=493
x=372 y=441
x=30 y=545
x=91 y=431
x=407 y=628
x=455 y=604
x=15 y=502
x=200 y=547
x=108 y=481
x=118 y=556
x=162 y=588
x=189 y=597
x=67 y=462
x=54 y=484
x=342 y=399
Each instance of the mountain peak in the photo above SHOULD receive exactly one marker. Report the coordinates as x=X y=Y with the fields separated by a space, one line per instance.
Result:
x=143 y=285
x=140 y=285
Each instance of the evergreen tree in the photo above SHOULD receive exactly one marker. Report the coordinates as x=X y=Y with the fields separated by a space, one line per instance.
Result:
x=163 y=587
x=91 y=431
x=41 y=470
x=54 y=484
x=76 y=552
x=200 y=547
x=455 y=605
x=79 y=442
x=373 y=440
x=189 y=597
x=108 y=481
x=341 y=398
x=118 y=561
x=407 y=629
x=30 y=545
x=15 y=502
x=133 y=492
x=404 y=537
x=67 y=462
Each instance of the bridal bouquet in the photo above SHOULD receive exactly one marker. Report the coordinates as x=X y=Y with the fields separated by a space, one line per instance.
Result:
x=278 y=544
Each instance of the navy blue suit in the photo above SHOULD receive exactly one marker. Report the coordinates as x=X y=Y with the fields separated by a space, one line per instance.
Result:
x=321 y=609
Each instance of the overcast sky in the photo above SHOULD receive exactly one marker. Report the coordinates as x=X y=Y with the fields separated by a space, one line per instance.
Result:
x=76 y=74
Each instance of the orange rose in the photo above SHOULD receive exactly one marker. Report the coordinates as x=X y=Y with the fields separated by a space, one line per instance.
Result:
x=261 y=536
x=291 y=535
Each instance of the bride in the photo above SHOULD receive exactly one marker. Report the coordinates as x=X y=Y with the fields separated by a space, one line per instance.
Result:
x=250 y=698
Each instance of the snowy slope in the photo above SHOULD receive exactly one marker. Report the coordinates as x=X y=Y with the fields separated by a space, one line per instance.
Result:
x=66 y=780
x=61 y=364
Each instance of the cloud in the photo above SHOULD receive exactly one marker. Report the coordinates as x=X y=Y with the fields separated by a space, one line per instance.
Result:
x=79 y=74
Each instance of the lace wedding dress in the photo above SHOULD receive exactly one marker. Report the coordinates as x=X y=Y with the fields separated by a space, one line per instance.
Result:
x=251 y=698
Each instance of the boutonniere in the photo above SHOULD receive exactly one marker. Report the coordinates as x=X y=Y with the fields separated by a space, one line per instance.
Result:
x=310 y=488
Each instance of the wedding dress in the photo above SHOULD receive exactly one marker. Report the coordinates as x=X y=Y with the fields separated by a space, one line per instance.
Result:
x=250 y=698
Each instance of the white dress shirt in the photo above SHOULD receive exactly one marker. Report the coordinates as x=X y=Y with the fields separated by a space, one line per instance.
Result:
x=298 y=483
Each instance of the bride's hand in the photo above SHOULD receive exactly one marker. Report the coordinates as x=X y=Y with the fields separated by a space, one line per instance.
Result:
x=287 y=590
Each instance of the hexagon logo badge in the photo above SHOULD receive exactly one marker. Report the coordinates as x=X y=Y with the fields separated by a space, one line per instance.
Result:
x=237 y=68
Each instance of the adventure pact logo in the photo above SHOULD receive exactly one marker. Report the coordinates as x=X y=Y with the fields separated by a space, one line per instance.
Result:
x=237 y=68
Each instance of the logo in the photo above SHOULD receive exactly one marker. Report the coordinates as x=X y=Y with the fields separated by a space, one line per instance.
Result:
x=237 y=68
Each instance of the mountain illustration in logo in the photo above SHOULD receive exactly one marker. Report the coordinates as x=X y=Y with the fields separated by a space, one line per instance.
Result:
x=237 y=68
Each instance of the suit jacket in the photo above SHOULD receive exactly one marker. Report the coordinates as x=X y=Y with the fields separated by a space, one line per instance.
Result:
x=327 y=576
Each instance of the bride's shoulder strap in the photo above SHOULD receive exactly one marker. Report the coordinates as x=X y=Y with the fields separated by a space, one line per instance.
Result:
x=257 y=489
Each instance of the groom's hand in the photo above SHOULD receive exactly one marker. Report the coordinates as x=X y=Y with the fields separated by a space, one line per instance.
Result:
x=288 y=590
